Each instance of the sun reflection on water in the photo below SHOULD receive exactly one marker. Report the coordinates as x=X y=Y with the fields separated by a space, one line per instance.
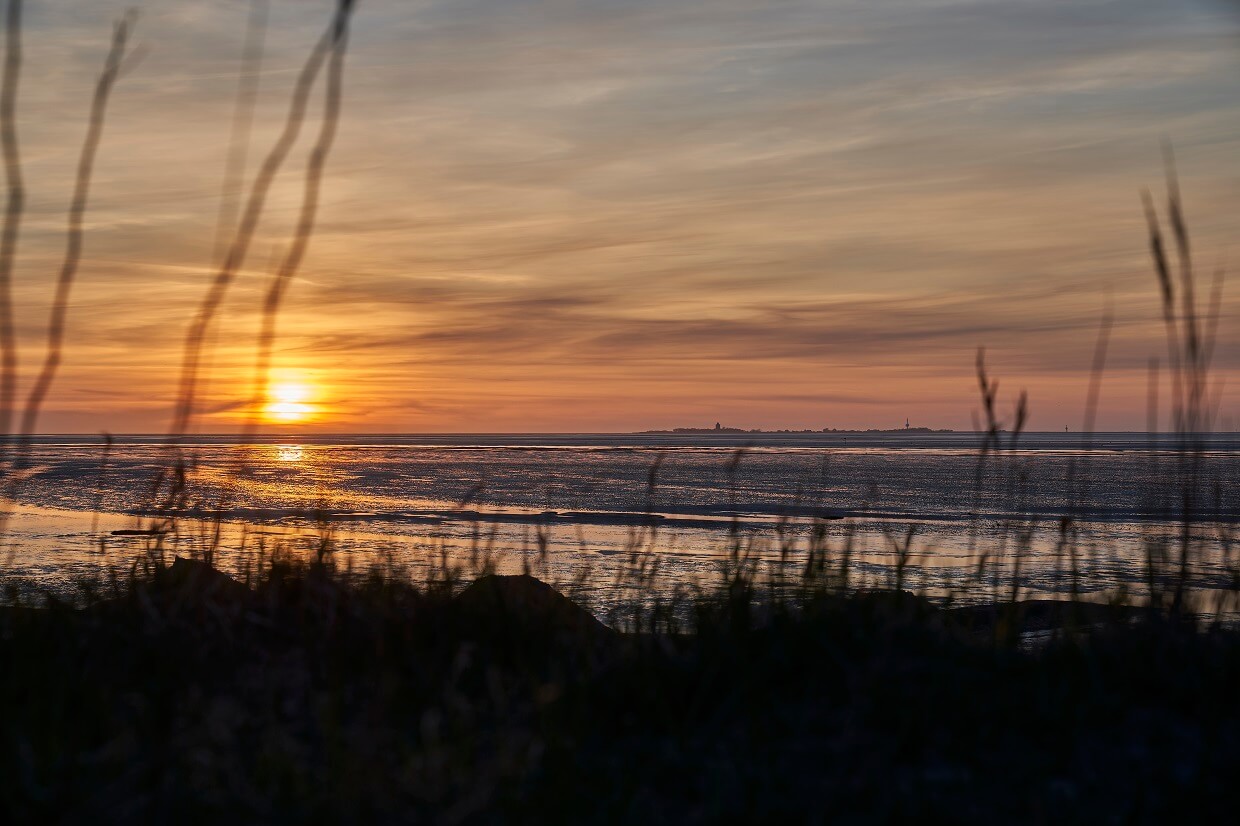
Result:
x=290 y=453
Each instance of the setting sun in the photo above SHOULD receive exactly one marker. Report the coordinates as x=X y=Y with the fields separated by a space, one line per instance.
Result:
x=288 y=402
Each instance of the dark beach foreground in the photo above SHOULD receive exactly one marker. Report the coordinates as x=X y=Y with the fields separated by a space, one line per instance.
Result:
x=183 y=695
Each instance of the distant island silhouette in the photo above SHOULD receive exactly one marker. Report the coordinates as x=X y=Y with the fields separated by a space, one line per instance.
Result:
x=721 y=430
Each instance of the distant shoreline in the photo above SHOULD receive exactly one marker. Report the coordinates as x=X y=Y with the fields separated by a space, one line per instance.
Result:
x=312 y=433
x=733 y=431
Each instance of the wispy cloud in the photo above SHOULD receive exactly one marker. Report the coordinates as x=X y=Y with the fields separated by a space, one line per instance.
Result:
x=611 y=215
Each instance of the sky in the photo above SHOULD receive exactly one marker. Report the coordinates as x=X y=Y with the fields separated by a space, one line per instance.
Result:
x=618 y=215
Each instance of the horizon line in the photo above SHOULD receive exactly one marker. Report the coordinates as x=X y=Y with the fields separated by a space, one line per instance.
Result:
x=664 y=432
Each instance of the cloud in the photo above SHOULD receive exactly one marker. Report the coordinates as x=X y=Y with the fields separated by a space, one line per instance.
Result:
x=540 y=212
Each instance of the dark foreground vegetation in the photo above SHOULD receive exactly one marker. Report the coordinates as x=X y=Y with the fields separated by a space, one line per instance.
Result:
x=181 y=695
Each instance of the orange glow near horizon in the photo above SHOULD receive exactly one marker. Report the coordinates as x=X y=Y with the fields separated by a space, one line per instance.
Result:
x=288 y=403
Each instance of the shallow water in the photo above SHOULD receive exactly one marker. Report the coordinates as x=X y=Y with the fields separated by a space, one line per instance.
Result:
x=590 y=500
